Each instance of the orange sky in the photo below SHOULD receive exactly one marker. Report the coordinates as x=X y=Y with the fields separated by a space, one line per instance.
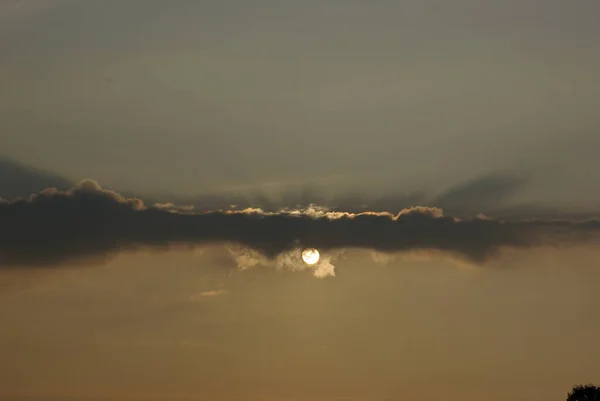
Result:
x=416 y=330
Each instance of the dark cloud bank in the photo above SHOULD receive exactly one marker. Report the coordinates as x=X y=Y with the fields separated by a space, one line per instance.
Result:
x=87 y=221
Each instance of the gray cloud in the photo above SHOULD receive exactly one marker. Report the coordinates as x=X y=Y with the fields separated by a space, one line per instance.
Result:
x=88 y=221
x=17 y=179
x=494 y=194
x=488 y=192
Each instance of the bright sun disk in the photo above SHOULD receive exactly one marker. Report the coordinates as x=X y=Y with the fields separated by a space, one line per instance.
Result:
x=310 y=256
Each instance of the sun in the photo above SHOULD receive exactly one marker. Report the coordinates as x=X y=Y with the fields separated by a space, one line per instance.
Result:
x=310 y=256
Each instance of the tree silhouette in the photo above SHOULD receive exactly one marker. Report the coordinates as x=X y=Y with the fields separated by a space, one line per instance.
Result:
x=586 y=392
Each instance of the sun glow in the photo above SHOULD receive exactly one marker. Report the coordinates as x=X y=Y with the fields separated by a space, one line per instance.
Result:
x=310 y=256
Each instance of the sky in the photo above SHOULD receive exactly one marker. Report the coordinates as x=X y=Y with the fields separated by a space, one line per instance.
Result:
x=441 y=155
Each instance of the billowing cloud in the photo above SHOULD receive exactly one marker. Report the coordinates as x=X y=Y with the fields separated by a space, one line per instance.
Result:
x=290 y=260
x=494 y=194
x=58 y=226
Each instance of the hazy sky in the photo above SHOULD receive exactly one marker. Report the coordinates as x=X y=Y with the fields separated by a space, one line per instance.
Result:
x=482 y=104
x=196 y=96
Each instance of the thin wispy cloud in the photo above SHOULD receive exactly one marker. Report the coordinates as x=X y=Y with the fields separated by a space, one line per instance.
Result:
x=207 y=294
